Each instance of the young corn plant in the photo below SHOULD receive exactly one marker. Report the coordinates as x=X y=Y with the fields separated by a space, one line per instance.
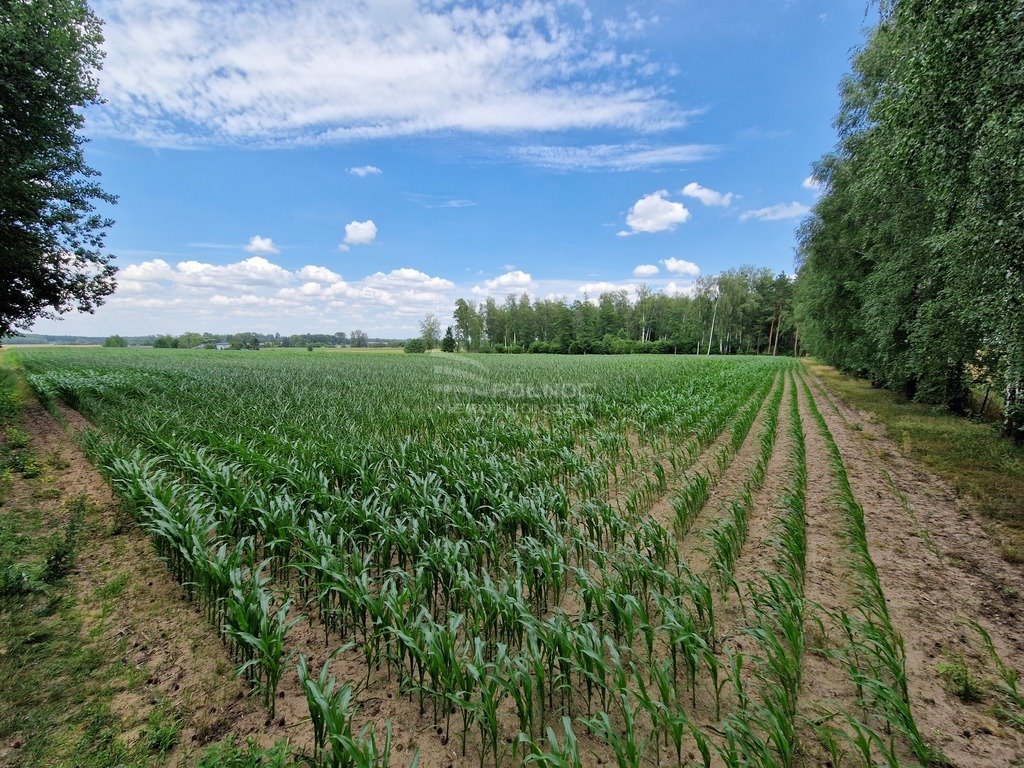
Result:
x=332 y=710
x=259 y=633
x=1008 y=679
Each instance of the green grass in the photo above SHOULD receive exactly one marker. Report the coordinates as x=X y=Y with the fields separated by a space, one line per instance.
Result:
x=969 y=454
x=59 y=681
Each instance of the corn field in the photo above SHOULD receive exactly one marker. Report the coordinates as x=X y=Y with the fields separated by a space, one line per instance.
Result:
x=555 y=560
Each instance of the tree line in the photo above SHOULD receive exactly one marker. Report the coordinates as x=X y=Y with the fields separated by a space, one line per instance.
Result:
x=251 y=340
x=741 y=311
x=911 y=266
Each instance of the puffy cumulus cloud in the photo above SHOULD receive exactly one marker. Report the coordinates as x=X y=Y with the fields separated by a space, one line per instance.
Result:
x=147 y=271
x=681 y=267
x=708 y=196
x=256 y=270
x=777 y=212
x=672 y=288
x=655 y=213
x=256 y=294
x=812 y=183
x=318 y=274
x=645 y=270
x=359 y=233
x=408 y=277
x=193 y=73
x=263 y=245
x=248 y=299
x=365 y=170
x=510 y=282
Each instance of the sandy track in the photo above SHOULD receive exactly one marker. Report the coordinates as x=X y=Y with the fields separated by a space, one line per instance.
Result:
x=938 y=568
x=177 y=655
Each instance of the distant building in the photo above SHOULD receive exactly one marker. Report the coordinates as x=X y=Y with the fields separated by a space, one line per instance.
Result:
x=222 y=345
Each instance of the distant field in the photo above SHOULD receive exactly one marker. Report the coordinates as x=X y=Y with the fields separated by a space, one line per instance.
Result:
x=634 y=560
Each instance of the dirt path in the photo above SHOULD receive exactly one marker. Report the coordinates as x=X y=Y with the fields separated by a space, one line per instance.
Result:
x=938 y=568
x=168 y=646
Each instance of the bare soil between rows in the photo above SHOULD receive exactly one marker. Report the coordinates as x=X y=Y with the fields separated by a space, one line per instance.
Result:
x=937 y=564
x=939 y=569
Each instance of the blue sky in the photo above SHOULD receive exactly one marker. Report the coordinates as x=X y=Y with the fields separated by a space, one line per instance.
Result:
x=324 y=166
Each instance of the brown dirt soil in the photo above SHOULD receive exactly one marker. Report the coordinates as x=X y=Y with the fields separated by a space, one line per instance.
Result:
x=939 y=568
x=726 y=486
x=937 y=565
x=757 y=553
x=828 y=588
x=179 y=658
x=705 y=463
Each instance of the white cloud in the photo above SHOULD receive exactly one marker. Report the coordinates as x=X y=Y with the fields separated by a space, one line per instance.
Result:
x=813 y=184
x=408 y=277
x=675 y=289
x=777 y=212
x=256 y=294
x=365 y=170
x=319 y=274
x=248 y=299
x=252 y=271
x=510 y=282
x=613 y=157
x=681 y=266
x=708 y=196
x=604 y=286
x=147 y=271
x=262 y=245
x=439 y=201
x=359 y=233
x=193 y=73
x=654 y=213
x=645 y=270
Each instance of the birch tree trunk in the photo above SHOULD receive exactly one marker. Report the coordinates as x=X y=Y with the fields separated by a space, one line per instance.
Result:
x=712 y=334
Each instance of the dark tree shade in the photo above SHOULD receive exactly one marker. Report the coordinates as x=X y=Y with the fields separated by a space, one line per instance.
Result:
x=51 y=236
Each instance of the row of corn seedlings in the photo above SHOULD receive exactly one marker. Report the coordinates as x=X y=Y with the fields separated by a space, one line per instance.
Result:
x=763 y=729
x=439 y=557
x=727 y=535
x=689 y=499
x=873 y=653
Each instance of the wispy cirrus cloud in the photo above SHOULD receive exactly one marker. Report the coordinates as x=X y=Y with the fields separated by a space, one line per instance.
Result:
x=613 y=157
x=777 y=212
x=439 y=201
x=191 y=73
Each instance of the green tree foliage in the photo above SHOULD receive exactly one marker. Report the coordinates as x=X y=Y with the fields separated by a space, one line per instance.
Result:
x=910 y=267
x=741 y=311
x=448 y=342
x=51 y=237
x=189 y=340
x=115 y=341
x=430 y=331
x=415 y=345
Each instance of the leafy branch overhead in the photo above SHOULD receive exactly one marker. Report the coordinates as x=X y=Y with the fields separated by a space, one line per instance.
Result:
x=51 y=228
